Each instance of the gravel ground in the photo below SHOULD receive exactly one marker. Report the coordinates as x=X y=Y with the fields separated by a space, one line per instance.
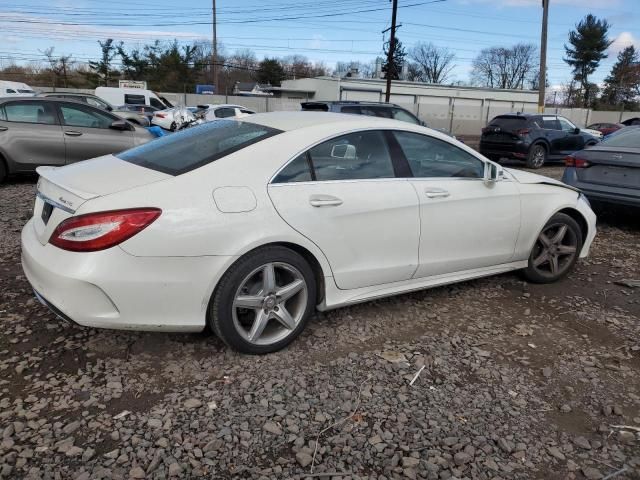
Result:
x=519 y=381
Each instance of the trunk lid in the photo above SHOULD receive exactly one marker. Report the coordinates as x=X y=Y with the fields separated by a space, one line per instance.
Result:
x=62 y=190
x=611 y=166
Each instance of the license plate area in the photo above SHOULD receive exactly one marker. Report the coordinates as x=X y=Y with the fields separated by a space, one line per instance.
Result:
x=47 y=210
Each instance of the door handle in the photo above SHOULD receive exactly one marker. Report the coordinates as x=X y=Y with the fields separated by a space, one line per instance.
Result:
x=72 y=133
x=436 y=193
x=324 y=201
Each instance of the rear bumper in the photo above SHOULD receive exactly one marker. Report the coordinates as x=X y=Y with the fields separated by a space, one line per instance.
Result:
x=602 y=193
x=112 y=289
x=517 y=150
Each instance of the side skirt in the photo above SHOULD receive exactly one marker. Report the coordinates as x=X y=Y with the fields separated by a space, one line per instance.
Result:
x=335 y=298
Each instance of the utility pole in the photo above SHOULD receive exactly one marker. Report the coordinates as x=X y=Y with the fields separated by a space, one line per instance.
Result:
x=392 y=49
x=542 y=79
x=215 y=49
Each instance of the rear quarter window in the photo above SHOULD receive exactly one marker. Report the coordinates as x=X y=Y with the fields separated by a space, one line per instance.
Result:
x=192 y=148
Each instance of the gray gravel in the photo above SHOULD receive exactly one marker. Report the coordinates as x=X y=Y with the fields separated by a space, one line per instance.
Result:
x=519 y=382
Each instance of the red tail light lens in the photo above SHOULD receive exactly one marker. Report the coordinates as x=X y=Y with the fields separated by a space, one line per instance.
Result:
x=577 y=162
x=160 y=115
x=102 y=230
x=522 y=131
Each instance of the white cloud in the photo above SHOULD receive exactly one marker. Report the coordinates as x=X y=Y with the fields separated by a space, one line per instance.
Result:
x=622 y=41
x=28 y=26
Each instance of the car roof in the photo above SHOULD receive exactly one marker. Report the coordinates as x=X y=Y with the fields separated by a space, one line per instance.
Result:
x=34 y=99
x=288 y=121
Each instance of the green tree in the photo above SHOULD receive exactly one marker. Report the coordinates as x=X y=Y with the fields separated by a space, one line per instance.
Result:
x=270 y=71
x=587 y=46
x=100 y=71
x=397 y=61
x=622 y=86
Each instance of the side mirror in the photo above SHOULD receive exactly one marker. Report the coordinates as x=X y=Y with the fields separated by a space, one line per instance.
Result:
x=109 y=108
x=492 y=173
x=120 y=125
x=576 y=130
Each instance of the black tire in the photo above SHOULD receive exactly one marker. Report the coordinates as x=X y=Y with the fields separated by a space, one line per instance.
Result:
x=538 y=275
x=537 y=156
x=172 y=127
x=3 y=170
x=221 y=306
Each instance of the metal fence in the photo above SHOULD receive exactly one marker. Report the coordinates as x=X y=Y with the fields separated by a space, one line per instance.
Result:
x=459 y=115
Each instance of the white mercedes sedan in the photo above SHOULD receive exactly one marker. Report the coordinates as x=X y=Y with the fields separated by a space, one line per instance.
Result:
x=249 y=225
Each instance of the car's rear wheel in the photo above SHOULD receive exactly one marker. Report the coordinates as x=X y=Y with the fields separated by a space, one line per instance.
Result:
x=173 y=126
x=3 y=170
x=537 y=156
x=263 y=301
x=556 y=250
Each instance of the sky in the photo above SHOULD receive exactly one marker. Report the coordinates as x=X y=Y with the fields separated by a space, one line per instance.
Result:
x=322 y=30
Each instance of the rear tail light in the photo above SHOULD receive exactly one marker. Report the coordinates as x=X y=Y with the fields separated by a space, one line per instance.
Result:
x=522 y=131
x=160 y=115
x=102 y=230
x=577 y=162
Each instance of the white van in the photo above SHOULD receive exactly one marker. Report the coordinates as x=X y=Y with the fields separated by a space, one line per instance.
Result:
x=132 y=96
x=15 y=89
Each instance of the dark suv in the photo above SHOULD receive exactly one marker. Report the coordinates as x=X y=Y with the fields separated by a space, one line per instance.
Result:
x=534 y=138
x=374 y=109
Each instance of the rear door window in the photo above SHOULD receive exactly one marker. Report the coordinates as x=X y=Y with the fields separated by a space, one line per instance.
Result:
x=134 y=99
x=225 y=112
x=31 y=112
x=192 y=148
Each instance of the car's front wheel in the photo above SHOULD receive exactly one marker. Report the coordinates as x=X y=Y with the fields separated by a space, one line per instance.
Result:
x=537 y=156
x=555 y=251
x=263 y=302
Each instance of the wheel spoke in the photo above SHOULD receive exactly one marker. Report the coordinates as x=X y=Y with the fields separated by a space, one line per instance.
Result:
x=554 y=264
x=557 y=238
x=288 y=291
x=566 y=249
x=283 y=316
x=259 y=324
x=268 y=278
x=544 y=240
x=249 y=301
x=540 y=259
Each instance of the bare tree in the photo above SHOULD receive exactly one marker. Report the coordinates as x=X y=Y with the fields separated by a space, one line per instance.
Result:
x=431 y=64
x=504 y=67
x=59 y=66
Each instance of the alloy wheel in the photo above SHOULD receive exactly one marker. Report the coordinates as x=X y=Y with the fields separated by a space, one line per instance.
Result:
x=538 y=156
x=270 y=303
x=555 y=249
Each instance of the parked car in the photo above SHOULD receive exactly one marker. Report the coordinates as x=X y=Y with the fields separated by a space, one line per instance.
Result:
x=38 y=131
x=250 y=224
x=172 y=118
x=534 y=138
x=214 y=112
x=606 y=128
x=629 y=122
x=610 y=171
x=15 y=89
x=373 y=109
x=132 y=96
x=123 y=111
x=142 y=111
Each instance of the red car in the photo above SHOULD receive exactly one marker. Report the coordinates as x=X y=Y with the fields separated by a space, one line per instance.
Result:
x=606 y=128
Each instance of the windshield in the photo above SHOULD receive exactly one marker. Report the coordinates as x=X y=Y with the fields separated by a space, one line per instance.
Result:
x=627 y=137
x=197 y=146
